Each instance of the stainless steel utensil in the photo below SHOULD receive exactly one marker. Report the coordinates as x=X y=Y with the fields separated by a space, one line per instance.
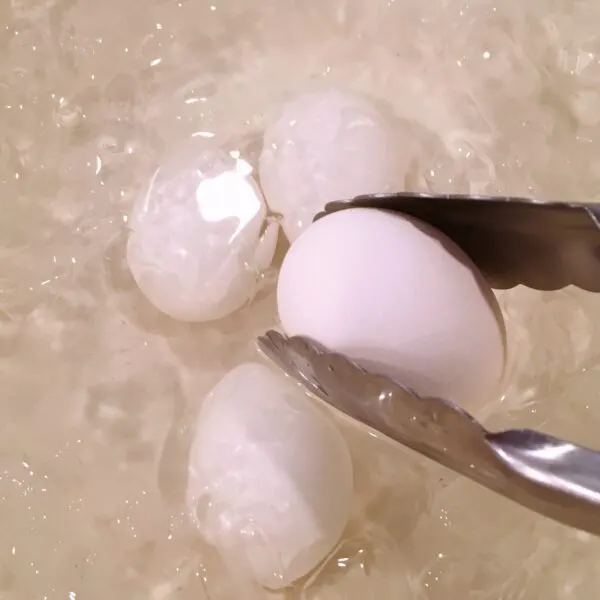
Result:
x=543 y=245
x=553 y=477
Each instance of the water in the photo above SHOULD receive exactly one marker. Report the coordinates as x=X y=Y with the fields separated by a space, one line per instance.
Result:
x=99 y=390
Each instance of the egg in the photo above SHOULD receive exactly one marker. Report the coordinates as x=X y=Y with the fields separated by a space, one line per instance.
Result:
x=198 y=237
x=399 y=298
x=270 y=476
x=326 y=145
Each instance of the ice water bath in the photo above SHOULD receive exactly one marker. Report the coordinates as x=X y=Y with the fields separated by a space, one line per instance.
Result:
x=137 y=457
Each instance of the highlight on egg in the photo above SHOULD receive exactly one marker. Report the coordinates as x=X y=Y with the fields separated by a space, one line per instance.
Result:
x=270 y=476
x=324 y=146
x=398 y=297
x=199 y=237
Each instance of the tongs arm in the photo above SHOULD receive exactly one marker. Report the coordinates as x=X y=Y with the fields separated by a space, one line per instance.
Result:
x=512 y=241
x=550 y=476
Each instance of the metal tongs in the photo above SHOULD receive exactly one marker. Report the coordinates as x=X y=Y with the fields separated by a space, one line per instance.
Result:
x=543 y=245
x=553 y=477
x=513 y=241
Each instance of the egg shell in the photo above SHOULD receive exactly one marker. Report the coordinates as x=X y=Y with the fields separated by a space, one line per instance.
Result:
x=399 y=298
x=327 y=145
x=270 y=476
x=198 y=241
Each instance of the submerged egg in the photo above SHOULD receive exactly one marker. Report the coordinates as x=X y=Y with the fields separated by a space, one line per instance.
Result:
x=398 y=297
x=326 y=146
x=198 y=241
x=270 y=477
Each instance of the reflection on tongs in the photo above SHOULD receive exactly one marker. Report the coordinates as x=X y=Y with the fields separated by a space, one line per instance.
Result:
x=552 y=477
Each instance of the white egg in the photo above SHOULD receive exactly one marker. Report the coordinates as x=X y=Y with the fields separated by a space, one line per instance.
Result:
x=270 y=476
x=326 y=146
x=399 y=298
x=198 y=243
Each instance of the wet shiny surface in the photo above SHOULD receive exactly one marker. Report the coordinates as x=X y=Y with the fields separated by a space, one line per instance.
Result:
x=199 y=242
